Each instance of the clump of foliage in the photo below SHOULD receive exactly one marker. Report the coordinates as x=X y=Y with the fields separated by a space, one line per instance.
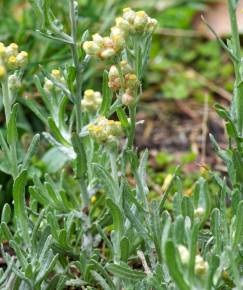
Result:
x=90 y=224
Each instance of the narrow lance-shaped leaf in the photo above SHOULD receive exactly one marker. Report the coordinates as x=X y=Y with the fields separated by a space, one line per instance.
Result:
x=20 y=211
x=81 y=160
x=56 y=132
x=216 y=229
x=100 y=280
x=107 y=96
x=238 y=237
x=125 y=272
x=99 y=268
x=116 y=215
x=175 y=272
x=106 y=179
x=12 y=134
x=6 y=213
x=31 y=151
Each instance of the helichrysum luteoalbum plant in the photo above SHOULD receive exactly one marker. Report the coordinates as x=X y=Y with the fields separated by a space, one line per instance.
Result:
x=88 y=222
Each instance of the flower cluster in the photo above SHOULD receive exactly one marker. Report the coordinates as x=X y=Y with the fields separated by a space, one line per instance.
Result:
x=11 y=58
x=126 y=80
x=105 y=131
x=130 y=22
x=133 y=22
x=91 y=101
x=105 y=47
x=56 y=74
x=201 y=266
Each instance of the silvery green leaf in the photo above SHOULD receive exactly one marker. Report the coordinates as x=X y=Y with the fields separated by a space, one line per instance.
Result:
x=173 y=266
x=12 y=134
x=125 y=272
x=6 y=214
x=238 y=234
x=20 y=211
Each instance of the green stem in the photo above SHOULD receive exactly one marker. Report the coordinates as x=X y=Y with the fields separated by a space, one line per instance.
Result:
x=7 y=110
x=84 y=192
x=132 y=115
x=237 y=52
x=14 y=160
x=74 y=49
x=78 y=96
x=114 y=172
x=6 y=99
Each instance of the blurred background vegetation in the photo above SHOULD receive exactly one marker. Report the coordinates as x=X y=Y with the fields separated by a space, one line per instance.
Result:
x=188 y=73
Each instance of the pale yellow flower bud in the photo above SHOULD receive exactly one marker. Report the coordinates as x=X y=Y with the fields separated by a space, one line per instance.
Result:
x=91 y=101
x=107 y=53
x=93 y=199
x=48 y=86
x=116 y=31
x=2 y=72
x=12 y=62
x=199 y=212
x=125 y=67
x=201 y=266
x=127 y=98
x=152 y=24
x=119 y=42
x=12 y=50
x=105 y=131
x=131 y=81
x=56 y=73
x=91 y=48
x=113 y=72
x=115 y=128
x=141 y=20
x=98 y=39
x=129 y=15
x=108 y=42
x=2 y=49
x=115 y=84
x=122 y=24
x=184 y=254
x=98 y=133
x=22 y=58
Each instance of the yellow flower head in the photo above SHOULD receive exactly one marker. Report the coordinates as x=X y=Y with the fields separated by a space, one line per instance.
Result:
x=56 y=73
x=2 y=71
x=12 y=62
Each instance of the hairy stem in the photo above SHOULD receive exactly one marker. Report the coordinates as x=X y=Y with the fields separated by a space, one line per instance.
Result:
x=132 y=115
x=78 y=68
x=238 y=101
x=6 y=99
